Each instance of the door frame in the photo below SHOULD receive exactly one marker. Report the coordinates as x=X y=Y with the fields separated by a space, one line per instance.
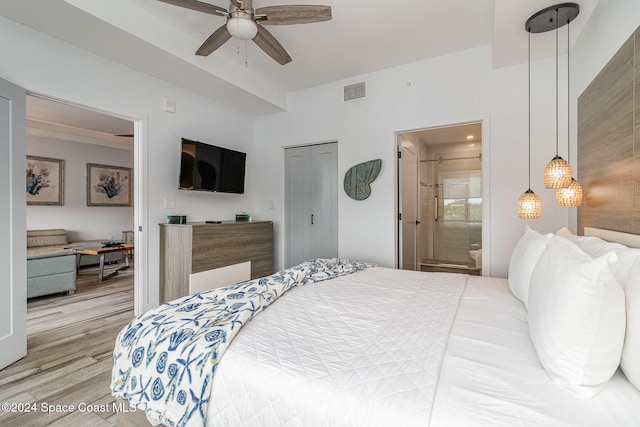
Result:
x=484 y=120
x=140 y=180
x=401 y=205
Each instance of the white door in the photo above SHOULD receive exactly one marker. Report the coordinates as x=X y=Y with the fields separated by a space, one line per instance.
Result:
x=13 y=256
x=409 y=204
x=311 y=202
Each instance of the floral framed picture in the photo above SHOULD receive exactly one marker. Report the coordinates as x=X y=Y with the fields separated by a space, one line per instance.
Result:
x=108 y=185
x=45 y=181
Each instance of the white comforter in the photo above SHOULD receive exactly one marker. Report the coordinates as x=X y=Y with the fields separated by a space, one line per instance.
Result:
x=164 y=360
x=328 y=354
x=363 y=349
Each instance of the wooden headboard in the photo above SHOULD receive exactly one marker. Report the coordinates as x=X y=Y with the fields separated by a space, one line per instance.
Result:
x=627 y=239
x=609 y=144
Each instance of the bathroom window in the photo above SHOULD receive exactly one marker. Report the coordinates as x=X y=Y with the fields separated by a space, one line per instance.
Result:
x=463 y=210
x=462 y=197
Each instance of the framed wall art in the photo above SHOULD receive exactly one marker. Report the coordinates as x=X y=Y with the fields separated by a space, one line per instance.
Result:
x=108 y=185
x=45 y=181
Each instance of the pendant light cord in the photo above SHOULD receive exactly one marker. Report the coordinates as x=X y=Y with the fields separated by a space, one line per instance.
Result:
x=557 y=82
x=568 y=96
x=529 y=101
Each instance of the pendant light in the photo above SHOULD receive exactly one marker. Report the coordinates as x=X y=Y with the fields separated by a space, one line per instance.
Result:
x=557 y=174
x=529 y=204
x=570 y=196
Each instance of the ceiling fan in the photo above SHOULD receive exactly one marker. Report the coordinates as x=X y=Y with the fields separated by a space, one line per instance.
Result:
x=246 y=24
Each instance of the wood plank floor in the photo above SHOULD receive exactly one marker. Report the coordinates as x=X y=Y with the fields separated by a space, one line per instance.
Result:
x=69 y=354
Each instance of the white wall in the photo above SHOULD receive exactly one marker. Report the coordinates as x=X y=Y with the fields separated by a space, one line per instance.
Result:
x=445 y=90
x=43 y=64
x=82 y=222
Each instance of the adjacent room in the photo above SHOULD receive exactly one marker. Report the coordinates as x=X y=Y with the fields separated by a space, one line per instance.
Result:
x=271 y=213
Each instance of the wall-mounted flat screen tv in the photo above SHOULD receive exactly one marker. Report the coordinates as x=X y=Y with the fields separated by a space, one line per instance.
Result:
x=205 y=167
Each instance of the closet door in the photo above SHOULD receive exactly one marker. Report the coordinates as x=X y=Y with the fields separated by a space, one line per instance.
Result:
x=311 y=202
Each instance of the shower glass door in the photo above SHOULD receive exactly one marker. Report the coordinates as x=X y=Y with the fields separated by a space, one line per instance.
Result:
x=453 y=215
x=458 y=225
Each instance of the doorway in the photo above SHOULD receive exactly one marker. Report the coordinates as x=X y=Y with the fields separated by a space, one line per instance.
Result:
x=79 y=137
x=443 y=232
x=139 y=185
x=311 y=202
x=12 y=114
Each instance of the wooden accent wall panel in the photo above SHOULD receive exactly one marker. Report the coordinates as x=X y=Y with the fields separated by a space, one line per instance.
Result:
x=192 y=248
x=609 y=145
x=636 y=133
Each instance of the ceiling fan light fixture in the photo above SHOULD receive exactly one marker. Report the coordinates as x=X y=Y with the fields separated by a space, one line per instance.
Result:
x=242 y=27
x=242 y=24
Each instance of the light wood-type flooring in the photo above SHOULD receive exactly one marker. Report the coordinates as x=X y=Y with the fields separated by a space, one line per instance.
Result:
x=69 y=355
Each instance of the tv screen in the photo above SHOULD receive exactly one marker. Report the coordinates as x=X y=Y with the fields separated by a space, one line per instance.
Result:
x=205 y=167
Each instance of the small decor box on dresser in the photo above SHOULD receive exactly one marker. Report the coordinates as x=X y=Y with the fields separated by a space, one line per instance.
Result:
x=197 y=247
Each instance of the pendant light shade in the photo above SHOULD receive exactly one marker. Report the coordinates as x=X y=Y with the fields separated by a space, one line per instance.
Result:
x=529 y=206
x=558 y=173
x=570 y=196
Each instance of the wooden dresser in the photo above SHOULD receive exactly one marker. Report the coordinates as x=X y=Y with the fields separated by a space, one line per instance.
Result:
x=196 y=247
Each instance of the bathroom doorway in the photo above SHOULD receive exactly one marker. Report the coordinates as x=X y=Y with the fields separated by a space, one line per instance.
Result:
x=444 y=233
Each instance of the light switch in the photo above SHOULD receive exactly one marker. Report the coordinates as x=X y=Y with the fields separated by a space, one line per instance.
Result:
x=169 y=202
x=169 y=104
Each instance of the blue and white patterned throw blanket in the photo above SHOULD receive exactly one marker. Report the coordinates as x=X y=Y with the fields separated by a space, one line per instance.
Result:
x=164 y=360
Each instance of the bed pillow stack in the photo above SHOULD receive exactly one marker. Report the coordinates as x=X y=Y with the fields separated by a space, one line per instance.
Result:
x=626 y=270
x=523 y=260
x=583 y=299
x=576 y=316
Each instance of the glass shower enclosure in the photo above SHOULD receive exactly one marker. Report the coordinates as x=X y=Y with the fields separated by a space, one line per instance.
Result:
x=451 y=218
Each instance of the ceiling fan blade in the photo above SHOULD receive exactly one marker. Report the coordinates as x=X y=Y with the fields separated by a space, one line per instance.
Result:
x=214 y=41
x=199 y=6
x=294 y=14
x=243 y=4
x=265 y=41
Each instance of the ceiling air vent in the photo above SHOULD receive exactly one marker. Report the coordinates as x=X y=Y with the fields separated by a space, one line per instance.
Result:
x=355 y=91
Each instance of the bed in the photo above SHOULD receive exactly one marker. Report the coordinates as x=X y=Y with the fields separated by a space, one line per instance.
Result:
x=348 y=343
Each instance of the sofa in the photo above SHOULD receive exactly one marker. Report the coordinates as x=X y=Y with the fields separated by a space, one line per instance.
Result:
x=51 y=262
x=51 y=266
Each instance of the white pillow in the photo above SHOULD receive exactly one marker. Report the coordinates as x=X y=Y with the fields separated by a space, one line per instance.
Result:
x=523 y=260
x=630 y=362
x=568 y=234
x=620 y=266
x=576 y=317
x=595 y=246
